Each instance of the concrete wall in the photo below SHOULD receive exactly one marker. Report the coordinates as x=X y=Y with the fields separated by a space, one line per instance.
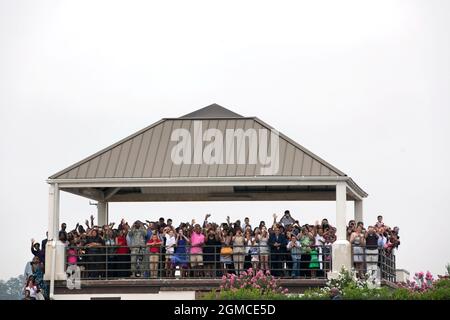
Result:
x=401 y=275
x=162 y=295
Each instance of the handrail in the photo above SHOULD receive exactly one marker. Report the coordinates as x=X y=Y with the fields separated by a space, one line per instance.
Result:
x=52 y=275
x=100 y=261
x=383 y=267
x=105 y=262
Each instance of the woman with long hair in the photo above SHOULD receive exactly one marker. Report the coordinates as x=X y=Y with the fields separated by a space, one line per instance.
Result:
x=264 y=250
x=248 y=241
x=226 y=251
x=238 y=251
x=31 y=288
x=38 y=275
x=357 y=241
x=180 y=257
x=123 y=265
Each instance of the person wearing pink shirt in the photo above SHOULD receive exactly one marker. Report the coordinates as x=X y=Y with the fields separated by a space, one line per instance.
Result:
x=197 y=241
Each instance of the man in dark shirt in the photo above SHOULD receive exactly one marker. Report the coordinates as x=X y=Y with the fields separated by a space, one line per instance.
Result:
x=161 y=223
x=372 y=250
x=287 y=220
x=37 y=251
x=211 y=254
x=277 y=243
x=44 y=246
x=63 y=229
x=95 y=253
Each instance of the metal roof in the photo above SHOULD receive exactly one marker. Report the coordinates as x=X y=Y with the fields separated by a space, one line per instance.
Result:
x=146 y=154
x=212 y=111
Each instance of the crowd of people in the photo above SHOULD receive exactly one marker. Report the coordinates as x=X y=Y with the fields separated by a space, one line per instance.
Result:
x=366 y=244
x=154 y=249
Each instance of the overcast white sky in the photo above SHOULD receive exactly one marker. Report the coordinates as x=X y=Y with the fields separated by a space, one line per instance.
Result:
x=365 y=85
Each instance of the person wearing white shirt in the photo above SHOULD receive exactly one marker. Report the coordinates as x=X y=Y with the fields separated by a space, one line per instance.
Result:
x=32 y=288
x=381 y=240
x=170 y=249
x=319 y=242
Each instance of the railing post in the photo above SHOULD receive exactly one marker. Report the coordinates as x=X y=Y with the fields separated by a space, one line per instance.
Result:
x=365 y=259
x=160 y=266
x=342 y=256
x=395 y=269
x=106 y=263
x=282 y=267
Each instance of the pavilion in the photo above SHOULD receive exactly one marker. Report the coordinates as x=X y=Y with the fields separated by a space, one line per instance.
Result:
x=141 y=167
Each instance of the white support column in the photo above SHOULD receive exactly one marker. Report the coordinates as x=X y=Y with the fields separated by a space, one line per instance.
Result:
x=102 y=213
x=54 y=251
x=341 y=248
x=359 y=211
x=51 y=208
x=53 y=212
x=341 y=208
x=51 y=232
x=56 y=212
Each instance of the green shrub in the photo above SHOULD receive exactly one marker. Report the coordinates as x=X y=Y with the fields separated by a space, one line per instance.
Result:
x=441 y=291
x=402 y=294
x=316 y=294
x=349 y=288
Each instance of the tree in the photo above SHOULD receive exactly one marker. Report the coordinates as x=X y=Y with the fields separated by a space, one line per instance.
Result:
x=12 y=289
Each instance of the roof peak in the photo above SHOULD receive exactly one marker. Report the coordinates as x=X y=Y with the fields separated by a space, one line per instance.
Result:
x=212 y=111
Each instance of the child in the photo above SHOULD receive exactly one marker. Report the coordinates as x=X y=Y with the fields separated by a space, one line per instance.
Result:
x=254 y=253
x=380 y=222
x=314 y=263
x=154 y=243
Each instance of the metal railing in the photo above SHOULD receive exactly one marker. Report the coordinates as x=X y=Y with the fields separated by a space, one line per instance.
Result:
x=376 y=262
x=104 y=262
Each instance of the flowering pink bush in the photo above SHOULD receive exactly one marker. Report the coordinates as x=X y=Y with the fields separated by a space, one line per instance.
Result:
x=421 y=283
x=251 y=279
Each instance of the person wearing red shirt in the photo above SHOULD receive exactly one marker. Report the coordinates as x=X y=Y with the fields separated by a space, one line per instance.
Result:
x=154 y=245
x=123 y=255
